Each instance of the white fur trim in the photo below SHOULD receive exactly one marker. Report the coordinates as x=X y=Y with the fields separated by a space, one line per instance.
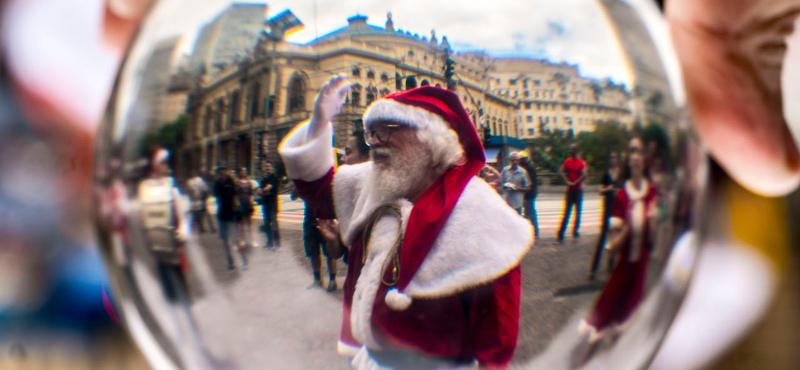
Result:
x=637 y=204
x=482 y=240
x=306 y=158
x=407 y=114
x=383 y=236
x=397 y=300
x=345 y=349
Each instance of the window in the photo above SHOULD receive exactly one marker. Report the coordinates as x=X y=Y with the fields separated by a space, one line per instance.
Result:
x=527 y=105
x=371 y=75
x=218 y=115
x=566 y=107
x=384 y=77
x=236 y=103
x=525 y=83
x=425 y=82
x=537 y=82
x=529 y=119
x=271 y=106
x=355 y=98
x=526 y=93
x=531 y=132
x=207 y=120
x=411 y=82
x=356 y=72
x=411 y=53
x=297 y=95
x=398 y=82
x=512 y=82
x=370 y=97
x=254 y=96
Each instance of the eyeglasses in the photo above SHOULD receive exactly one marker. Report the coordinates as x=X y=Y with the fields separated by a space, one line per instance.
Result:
x=381 y=132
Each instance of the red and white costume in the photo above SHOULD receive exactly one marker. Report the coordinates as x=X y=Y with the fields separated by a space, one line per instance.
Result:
x=625 y=288
x=458 y=293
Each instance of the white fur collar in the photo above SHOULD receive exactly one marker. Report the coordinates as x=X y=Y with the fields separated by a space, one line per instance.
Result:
x=482 y=240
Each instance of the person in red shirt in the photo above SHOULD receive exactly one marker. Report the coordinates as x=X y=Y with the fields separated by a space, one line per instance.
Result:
x=573 y=171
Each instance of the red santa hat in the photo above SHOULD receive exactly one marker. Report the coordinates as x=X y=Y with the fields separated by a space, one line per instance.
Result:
x=438 y=110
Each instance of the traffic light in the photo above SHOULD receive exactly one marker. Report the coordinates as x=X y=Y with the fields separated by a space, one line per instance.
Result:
x=449 y=72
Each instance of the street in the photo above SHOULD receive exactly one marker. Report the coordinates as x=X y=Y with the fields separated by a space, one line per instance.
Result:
x=297 y=327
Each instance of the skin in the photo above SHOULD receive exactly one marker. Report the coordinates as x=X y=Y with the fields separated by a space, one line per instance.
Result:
x=351 y=154
x=731 y=54
x=403 y=141
x=514 y=163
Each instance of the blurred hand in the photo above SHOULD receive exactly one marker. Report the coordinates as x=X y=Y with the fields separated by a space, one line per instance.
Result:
x=732 y=53
x=329 y=103
x=329 y=229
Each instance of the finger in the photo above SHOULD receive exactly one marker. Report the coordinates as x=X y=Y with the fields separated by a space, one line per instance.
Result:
x=735 y=102
x=120 y=20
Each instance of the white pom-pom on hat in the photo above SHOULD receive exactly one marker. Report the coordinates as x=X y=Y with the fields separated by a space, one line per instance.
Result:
x=397 y=300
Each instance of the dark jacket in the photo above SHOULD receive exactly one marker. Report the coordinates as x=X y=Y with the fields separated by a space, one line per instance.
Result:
x=531 y=170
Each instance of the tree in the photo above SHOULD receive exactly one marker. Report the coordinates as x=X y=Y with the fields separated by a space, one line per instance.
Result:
x=169 y=136
x=597 y=145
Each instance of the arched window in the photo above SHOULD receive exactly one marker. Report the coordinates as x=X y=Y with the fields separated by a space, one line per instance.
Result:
x=218 y=115
x=411 y=82
x=355 y=98
x=384 y=77
x=425 y=83
x=254 y=97
x=384 y=92
x=207 y=120
x=371 y=92
x=297 y=95
x=356 y=71
x=370 y=75
x=236 y=109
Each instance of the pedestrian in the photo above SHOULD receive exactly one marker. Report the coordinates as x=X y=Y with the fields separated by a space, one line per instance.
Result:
x=198 y=192
x=356 y=149
x=404 y=215
x=166 y=229
x=573 y=171
x=633 y=221
x=226 y=194
x=515 y=183
x=529 y=199
x=490 y=175
x=612 y=182
x=268 y=192
x=245 y=190
x=315 y=243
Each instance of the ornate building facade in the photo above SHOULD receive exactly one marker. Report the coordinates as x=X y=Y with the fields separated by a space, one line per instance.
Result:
x=238 y=117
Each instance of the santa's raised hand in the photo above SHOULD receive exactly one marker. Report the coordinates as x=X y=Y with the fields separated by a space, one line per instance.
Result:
x=328 y=104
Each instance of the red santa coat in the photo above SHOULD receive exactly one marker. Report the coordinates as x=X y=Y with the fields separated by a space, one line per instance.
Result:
x=625 y=287
x=463 y=302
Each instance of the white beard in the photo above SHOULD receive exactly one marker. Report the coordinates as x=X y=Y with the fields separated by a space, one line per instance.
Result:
x=398 y=177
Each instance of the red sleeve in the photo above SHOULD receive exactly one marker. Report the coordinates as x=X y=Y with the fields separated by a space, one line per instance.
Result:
x=620 y=205
x=497 y=321
x=319 y=195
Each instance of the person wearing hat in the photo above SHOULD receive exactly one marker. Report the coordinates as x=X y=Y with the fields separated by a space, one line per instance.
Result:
x=528 y=200
x=514 y=182
x=433 y=276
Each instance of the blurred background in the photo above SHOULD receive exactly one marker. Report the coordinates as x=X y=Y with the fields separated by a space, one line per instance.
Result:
x=58 y=62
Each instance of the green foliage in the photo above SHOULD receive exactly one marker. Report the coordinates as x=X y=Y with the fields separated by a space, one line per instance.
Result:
x=549 y=150
x=598 y=144
x=169 y=136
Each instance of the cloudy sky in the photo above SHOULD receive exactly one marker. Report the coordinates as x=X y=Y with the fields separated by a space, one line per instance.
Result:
x=573 y=31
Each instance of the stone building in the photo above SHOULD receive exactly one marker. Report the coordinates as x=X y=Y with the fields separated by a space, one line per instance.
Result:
x=554 y=96
x=238 y=117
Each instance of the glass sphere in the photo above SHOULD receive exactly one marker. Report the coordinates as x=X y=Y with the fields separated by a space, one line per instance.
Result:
x=491 y=183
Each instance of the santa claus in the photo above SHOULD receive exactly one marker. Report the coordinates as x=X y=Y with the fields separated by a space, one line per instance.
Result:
x=433 y=275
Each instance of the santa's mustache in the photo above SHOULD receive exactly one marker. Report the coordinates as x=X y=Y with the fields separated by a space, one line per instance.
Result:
x=381 y=153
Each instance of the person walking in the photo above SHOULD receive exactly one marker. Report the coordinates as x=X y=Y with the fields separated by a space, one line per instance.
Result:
x=198 y=192
x=573 y=171
x=268 y=190
x=529 y=199
x=226 y=194
x=245 y=190
x=608 y=190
